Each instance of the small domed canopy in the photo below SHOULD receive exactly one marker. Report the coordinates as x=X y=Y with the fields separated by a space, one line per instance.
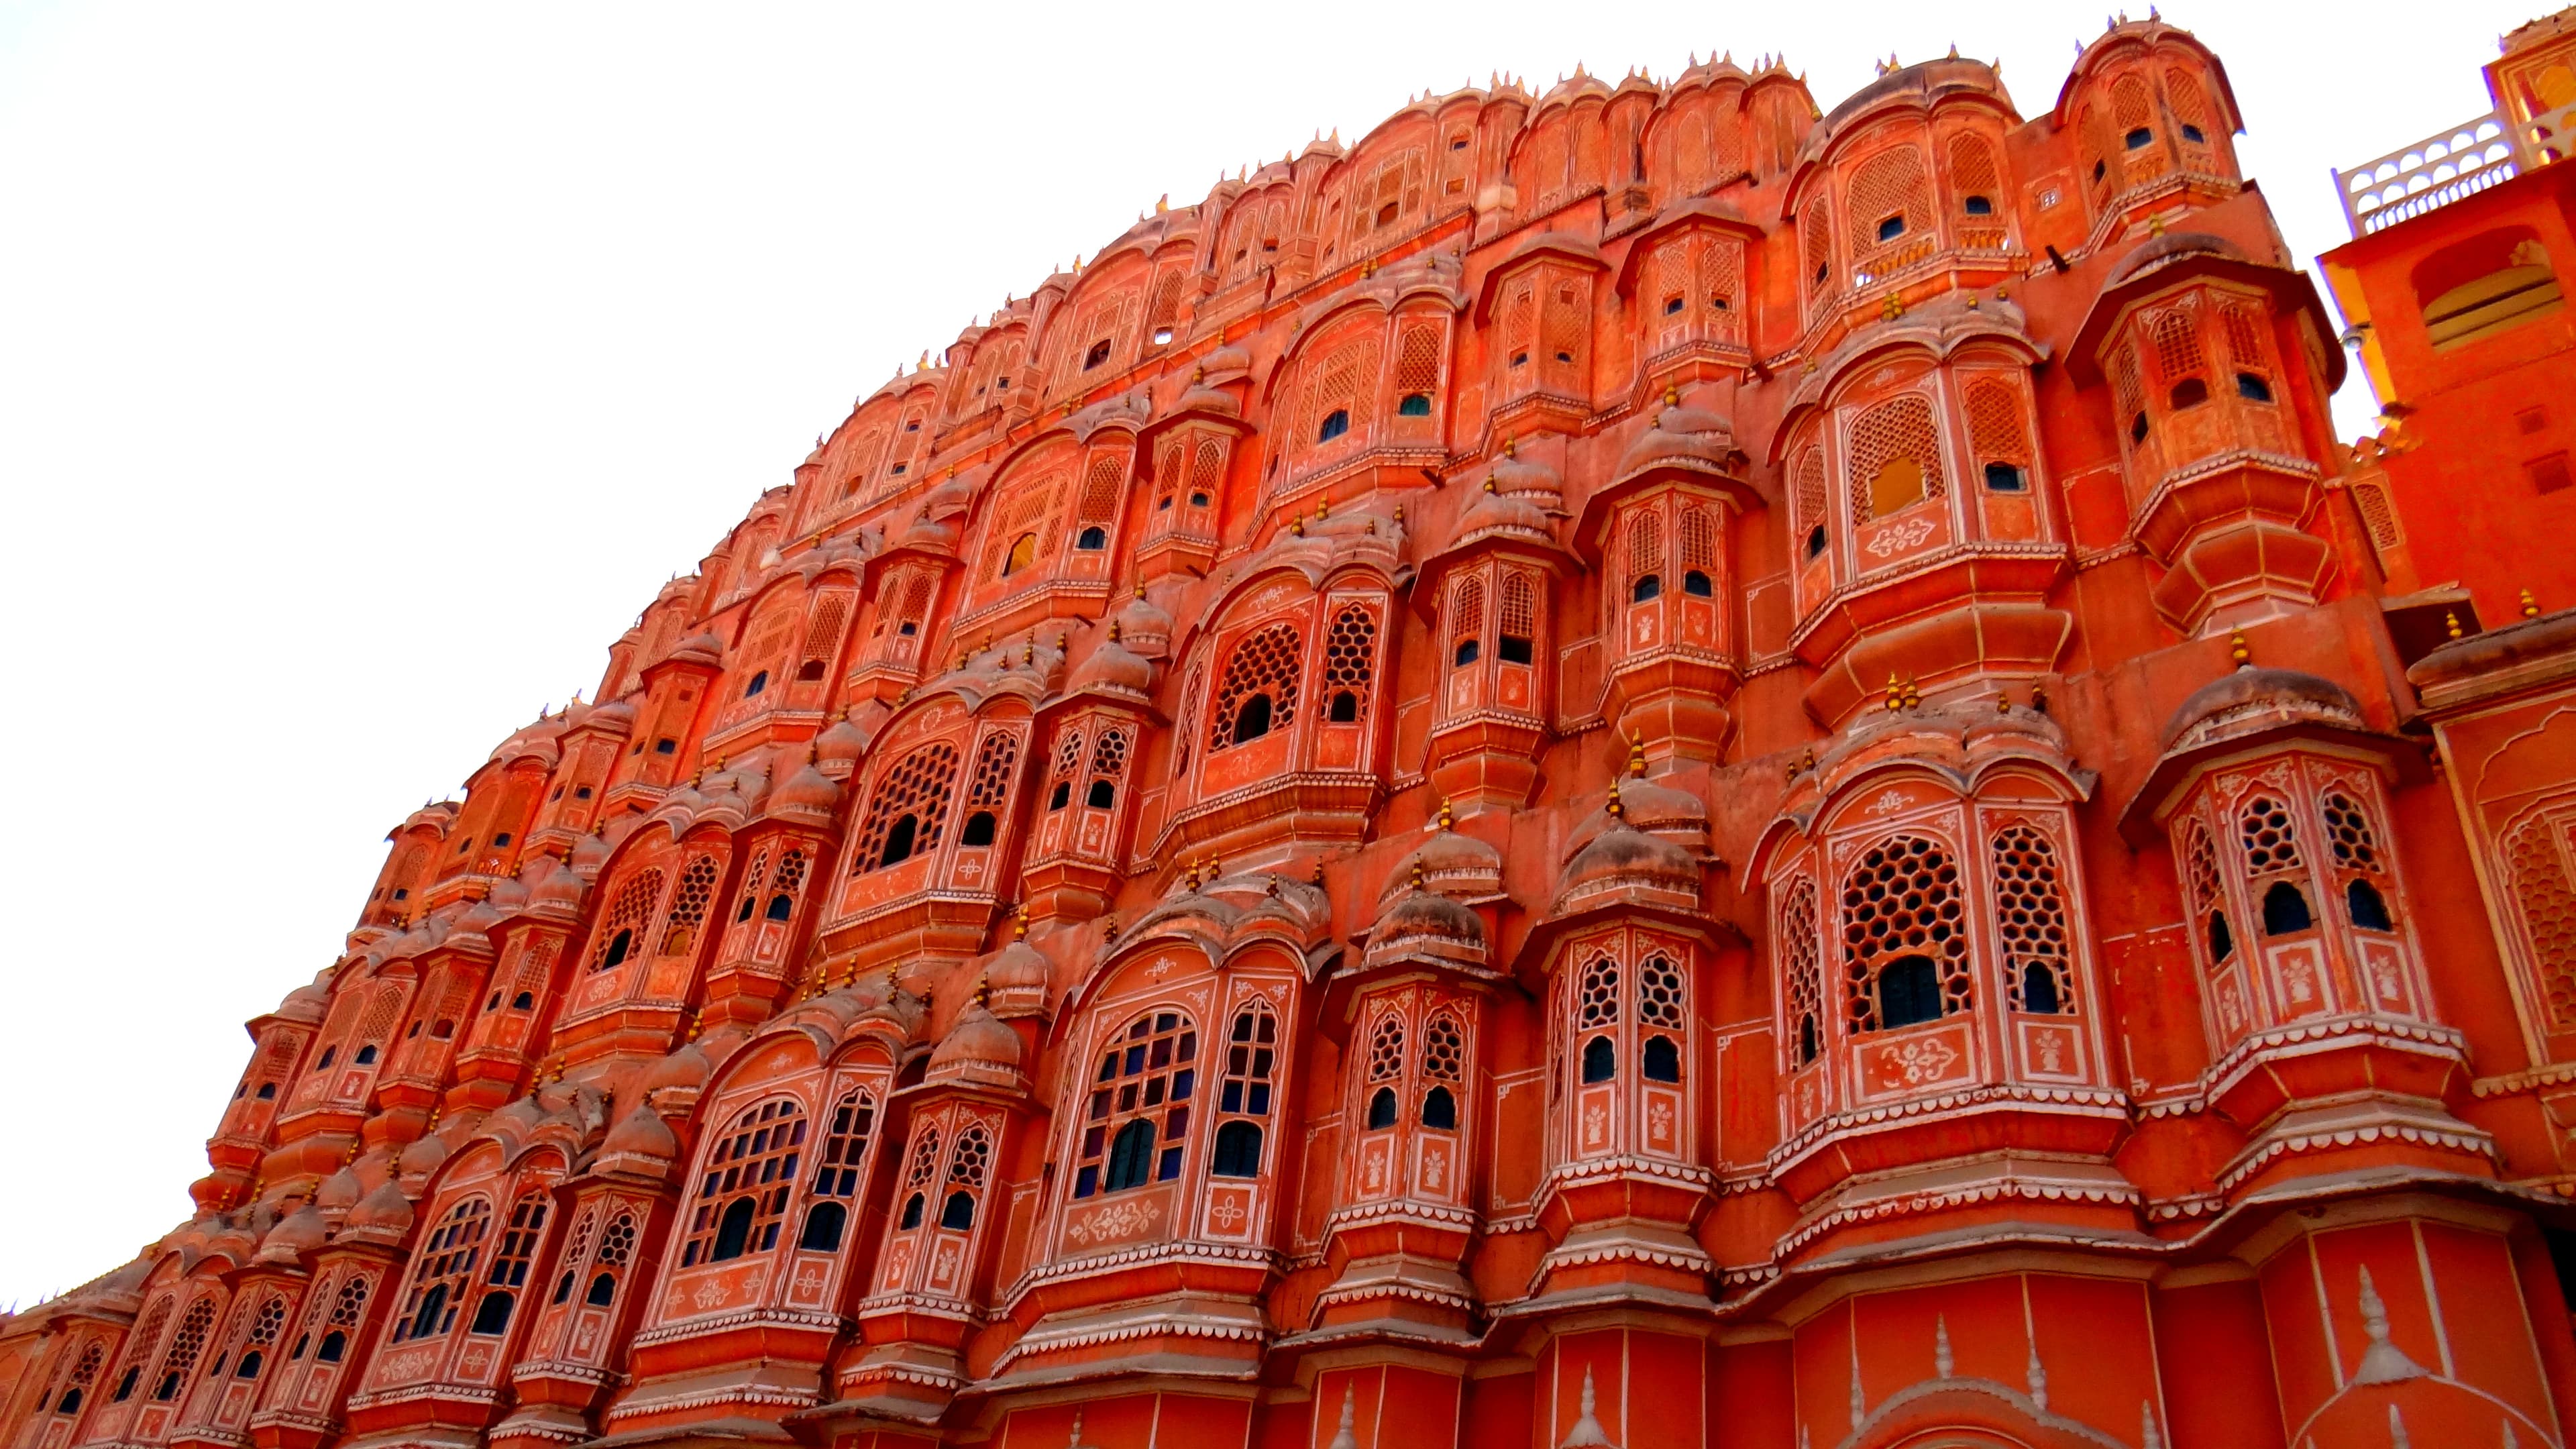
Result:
x=642 y=1133
x=340 y=1191
x=1423 y=927
x=1020 y=978
x=1144 y=627
x=299 y=1232
x=2252 y=709
x=2255 y=699
x=551 y=887
x=1454 y=864
x=307 y=1003
x=704 y=649
x=1691 y=440
x=423 y=1156
x=384 y=1213
x=2157 y=252
x=683 y=1070
x=837 y=750
x=807 y=792
x=978 y=1048
x=1624 y=865
x=1111 y=668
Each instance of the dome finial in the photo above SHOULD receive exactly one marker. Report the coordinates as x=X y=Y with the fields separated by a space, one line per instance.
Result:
x=1637 y=753
x=2530 y=605
x=1615 y=808
x=2238 y=650
x=2451 y=624
x=1895 y=693
x=1446 y=819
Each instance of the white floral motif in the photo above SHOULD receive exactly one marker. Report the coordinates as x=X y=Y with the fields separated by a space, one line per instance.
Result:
x=1117 y=1220
x=1888 y=802
x=1659 y=1121
x=1227 y=1213
x=1596 y=1122
x=1917 y=1062
x=2052 y=1051
x=1432 y=1172
x=1902 y=536
x=2297 y=974
x=710 y=1294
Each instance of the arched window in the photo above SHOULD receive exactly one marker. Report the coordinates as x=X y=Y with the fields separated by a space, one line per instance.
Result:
x=1802 y=970
x=1662 y=1060
x=1648 y=587
x=2030 y=921
x=1102 y=795
x=1466 y=620
x=1600 y=1060
x=1815 y=541
x=979 y=829
x=958 y=1214
x=759 y=682
x=627 y=914
x=2368 y=909
x=1440 y=1109
x=185 y=1345
x=823 y=1224
x=1381 y=1108
x=2285 y=910
x=445 y=1264
x=510 y=1264
x=968 y=1163
x=743 y=1188
x=1131 y=1156
x=1238 y=1150
x=1414 y=405
x=348 y=1310
x=1904 y=946
x=616 y=1246
x=1336 y=423
x=1024 y=551
x=1516 y=618
x=836 y=1177
x=1350 y=663
x=910 y=807
x=1092 y=539
x=1148 y=1074
x=1895 y=457
x=85 y=1369
x=1260 y=680
x=139 y=1346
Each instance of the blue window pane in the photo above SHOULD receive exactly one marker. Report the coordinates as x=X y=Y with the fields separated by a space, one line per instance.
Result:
x=1260 y=1100
x=1086 y=1182
x=1183 y=1082
x=1170 y=1167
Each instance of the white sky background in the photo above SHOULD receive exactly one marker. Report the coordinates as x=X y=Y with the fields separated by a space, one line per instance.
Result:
x=364 y=370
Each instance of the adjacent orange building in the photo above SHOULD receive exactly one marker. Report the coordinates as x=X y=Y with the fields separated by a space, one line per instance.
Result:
x=1633 y=766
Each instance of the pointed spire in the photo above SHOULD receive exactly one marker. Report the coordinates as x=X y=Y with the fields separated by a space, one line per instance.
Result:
x=2037 y=1374
x=2148 y=1435
x=1586 y=1433
x=2383 y=1362
x=1347 y=1435
x=1942 y=1362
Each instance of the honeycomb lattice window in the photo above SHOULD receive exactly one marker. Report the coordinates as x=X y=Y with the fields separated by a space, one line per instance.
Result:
x=689 y=905
x=264 y=1327
x=1597 y=998
x=917 y=787
x=1207 y=470
x=2101 y=160
x=618 y=1243
x=2263 y=827
x=1466 y=612
x=1803 y=972
x=1645 y=544
x=1165 y=309
x=1889 y=186
x=1518 y=304
x=1386 y=1049
x=925 y=1158
x=1350 y=656
x=2348 y=833
x=1721 y=280
x=973 y=1157
x=1444 y=1049
x=1264 y=663
x=1032 y=510
x=2200 y=864
x=1109 y=755
x=823 y=634
x=2244 y=332
x=445 y=1264
x=846 y=1148
x=1895 y=457
x=749 y=899
x=140 y=1345
x=2376 y=514
x=789 y=878
x=1810 y=475
x=185 y=1345
x=1659 y=993
x=1699 y=539
x=2030 y=921
x=1972 y=166
x=84 y=1375
x=1068 y=754
x=1168 y=456
x=1341 y=385
x=1995 y=422
x=994 y=759
x=351 y=1304
x=2177 y=337
x=1417 y=359
x=384 y=1009
x=2548 y=907
x=1816 y=250
x=1902 y=901
x=627 y=911
x=1518 y=614
x=756 y=1160
x=1100 y=489
x=916 y=602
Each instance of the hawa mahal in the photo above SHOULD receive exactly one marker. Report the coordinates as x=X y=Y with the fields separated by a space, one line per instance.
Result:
x=1637 y=766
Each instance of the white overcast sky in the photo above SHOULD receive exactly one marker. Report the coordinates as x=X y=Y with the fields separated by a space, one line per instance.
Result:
x=365 y=368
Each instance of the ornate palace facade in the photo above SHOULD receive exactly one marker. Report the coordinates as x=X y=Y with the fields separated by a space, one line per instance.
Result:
x=1631 y=767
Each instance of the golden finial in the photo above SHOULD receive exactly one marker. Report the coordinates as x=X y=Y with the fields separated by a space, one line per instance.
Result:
x=1891 y=307
x=1417 y=875
x=1895 y=693
x=1113 y=631
x=1319 y=510
x=2530 y=605
x=924 y=364
x=2451 y=625
x=1297 y=526
x=1198 y=374
x=1140 y=591
x=1193 y=879
x=2003 y=703
x=1511 y=447
x=1672 y=396
x=1399 y=513
x=1489 y=482
x=1020 y=929
x=2155 y=226
x=2238 y=650
x=1614 y=807
x=1637 y=753
x=1029 y=651
x=1162 y=203
x=1446 y=819
x=1318 y=878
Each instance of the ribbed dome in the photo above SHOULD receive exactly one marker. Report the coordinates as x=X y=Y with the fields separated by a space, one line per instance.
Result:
x=2251 y=699
x=339 y=1192
x=977 y=1039
x=1687 y=437
x=1495 y=511
x=1451 y=863
x=1421 y=914
x=423 y=1156
x=685 y=1069
x=1144 y=627
x=551 y=887
x=807 y=792
x=1112 y=668
x=590 y=854
x=840 y=745
x=642 y=1133
x=307 y=1003
x=1624 y=862
x=699 y=649
x=299 y=1232
x=385 y=1211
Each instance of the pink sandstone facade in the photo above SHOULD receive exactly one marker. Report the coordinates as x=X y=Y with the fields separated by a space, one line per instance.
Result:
x=1635 y=767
